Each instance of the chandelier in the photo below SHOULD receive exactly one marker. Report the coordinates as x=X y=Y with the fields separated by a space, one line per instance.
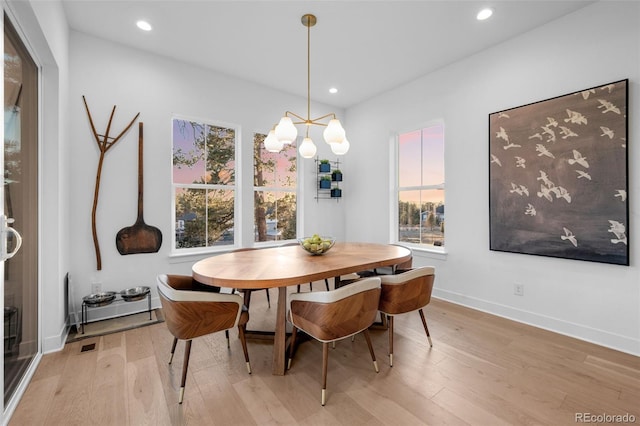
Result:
x=285 y=132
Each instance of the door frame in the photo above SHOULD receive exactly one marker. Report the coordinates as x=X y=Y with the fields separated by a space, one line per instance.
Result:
x=9 y=408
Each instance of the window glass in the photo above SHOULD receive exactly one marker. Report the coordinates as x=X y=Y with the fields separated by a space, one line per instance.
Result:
x=421 y=186
x=204 y=168
x=275 y=183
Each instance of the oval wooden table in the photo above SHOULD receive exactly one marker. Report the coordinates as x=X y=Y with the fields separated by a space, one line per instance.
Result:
x=285 y=266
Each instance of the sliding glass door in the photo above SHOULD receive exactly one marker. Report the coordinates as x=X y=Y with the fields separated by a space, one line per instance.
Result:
x=19 y=215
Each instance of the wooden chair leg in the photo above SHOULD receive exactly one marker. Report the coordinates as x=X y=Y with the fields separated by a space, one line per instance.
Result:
x=298 y=288
x=292 y=345
x=226 y=334
x=326 y=283
x=373 y=355
x=268 y=298
x=243 y=340
x=390 y=322
x=185 y=366
x=173 y=349
x=325 y=362
x=426 y=329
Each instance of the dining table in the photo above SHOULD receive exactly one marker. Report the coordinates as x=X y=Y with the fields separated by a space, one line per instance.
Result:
x=284 y=266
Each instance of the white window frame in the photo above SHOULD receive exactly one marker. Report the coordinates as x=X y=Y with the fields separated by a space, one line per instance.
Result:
x=394 y=188
x=236 y=188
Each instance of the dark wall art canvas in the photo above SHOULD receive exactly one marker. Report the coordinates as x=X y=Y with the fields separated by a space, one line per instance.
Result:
x=558 y=176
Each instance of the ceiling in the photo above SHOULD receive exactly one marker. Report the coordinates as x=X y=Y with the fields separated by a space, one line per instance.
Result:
x=361 y=47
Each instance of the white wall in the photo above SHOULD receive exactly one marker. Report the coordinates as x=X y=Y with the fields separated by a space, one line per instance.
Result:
x=596 y=45
x=109 y=74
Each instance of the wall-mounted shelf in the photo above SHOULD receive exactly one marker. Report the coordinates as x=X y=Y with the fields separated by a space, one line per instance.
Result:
x=328 y=179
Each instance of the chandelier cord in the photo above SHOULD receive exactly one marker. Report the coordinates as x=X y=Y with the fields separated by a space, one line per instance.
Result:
x=308 y=77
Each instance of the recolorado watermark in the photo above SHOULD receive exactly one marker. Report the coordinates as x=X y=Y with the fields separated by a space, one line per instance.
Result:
x=604 y=418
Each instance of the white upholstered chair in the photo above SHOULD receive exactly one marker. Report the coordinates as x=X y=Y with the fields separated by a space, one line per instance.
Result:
x=333 y=315
x=190 y=313
x=405 y=292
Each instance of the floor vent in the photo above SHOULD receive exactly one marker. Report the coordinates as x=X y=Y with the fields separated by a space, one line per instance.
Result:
x=87 y=348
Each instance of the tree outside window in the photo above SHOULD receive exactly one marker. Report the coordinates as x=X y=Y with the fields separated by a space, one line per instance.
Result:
x=421 y=186
x=203 y=184
x=274 y=192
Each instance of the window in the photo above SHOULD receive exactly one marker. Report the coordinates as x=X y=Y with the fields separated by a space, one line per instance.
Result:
x=274 y=191
x=421 y=186
x=204 y=184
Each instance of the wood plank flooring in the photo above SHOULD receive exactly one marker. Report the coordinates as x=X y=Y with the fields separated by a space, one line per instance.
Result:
x=482 y=370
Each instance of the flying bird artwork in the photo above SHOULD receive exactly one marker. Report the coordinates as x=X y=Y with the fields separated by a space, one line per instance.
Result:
x=563 y=190
x=544 y=151
x=579 y=159
x=575 y=118
x=568 y=235
x=607 y=132
x=530 y=210
x=622 y=194
x=618 y=230
x=608 y=107
x=582 y=174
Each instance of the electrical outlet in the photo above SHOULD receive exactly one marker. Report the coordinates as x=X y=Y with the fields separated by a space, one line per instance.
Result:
x=518 y=289
x=96 y=288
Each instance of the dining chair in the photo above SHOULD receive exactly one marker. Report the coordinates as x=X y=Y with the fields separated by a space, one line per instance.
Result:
x=190 y=313
x=389 y=270
x=405 y=292
x=247 y=291
x=328 y=316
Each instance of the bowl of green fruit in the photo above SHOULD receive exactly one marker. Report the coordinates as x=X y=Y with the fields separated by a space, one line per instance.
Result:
x=316 y=244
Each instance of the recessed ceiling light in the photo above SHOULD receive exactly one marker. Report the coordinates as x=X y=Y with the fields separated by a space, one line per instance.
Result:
x=333 y=90
x=484 y=14
x=144 y=25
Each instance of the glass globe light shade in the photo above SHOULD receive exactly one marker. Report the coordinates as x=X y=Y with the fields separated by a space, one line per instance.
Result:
x=334 y=133
x=271 y=142
x=340 y=148
x=307 y=148
x=286 y=131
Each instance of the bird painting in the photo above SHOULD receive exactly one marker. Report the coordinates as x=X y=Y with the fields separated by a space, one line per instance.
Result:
x=512 y=145
x=544 y=151
x=608 y=107
x=551 y=134
x=545 y=192
x=622 y=194
x=579 y=159
x=608 y=87
x=545 y=179
x=568 y=235
x=521 y=162
x=575 y=118
x=567 y=132
x=618 y=229
x=582 y=174
x=607 y=132
x=503 y=115
x=536 y=136
x=495 y=160
x=502 y=134
x=586 y=93
x=552 y=122
x=530 y=210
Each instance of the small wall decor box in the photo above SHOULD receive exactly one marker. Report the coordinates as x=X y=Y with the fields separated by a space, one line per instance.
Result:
x=324 y=166
x=558 y=176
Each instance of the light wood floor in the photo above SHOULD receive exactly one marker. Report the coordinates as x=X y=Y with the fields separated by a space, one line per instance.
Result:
x=482 y=370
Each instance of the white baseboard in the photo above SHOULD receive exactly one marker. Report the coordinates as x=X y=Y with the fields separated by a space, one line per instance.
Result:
x=599 y=337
